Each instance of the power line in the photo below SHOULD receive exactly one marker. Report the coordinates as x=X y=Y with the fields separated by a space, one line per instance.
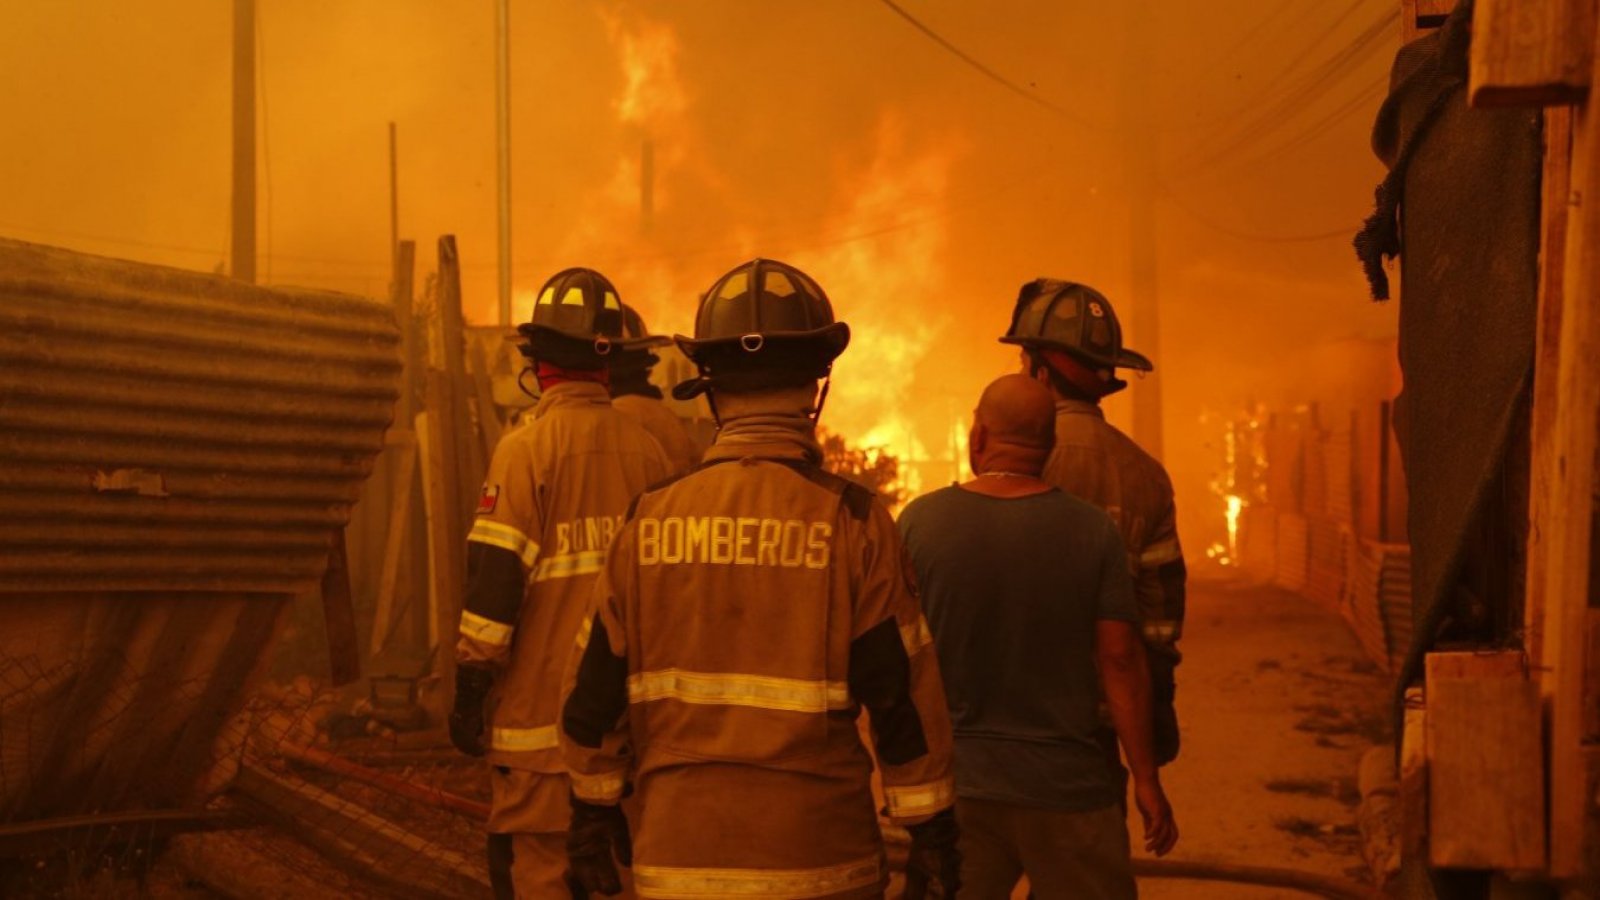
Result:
x=989 y=73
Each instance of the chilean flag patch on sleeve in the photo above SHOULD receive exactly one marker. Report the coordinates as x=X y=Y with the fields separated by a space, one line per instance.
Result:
x=489 y=499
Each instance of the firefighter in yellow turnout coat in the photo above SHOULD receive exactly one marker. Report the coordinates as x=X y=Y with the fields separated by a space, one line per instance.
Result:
x=553 y=501
x=747 y=613
x=1072 y=341
x=633 y=393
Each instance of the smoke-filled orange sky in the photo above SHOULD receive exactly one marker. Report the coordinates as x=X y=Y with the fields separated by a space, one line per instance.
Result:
x=829 y=133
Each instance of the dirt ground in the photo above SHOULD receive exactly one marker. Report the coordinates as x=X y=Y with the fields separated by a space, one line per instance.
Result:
x=1277 y=704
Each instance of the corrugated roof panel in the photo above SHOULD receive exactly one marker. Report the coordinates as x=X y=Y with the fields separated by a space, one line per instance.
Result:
x=176 y=431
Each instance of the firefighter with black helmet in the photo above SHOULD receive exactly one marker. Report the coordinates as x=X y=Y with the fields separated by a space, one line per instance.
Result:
x=633 y=393
x=553 y=499
x=1071 y=340
x=748 y=611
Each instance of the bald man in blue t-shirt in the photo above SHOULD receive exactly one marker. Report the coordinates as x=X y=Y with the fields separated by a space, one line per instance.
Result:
x=1027 y=592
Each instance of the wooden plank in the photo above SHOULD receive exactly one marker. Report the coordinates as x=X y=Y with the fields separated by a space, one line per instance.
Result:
x=1414 y=777
x=400 y=516
x=1531 y=53
x=1475 y=664
x=339 y=616
x=357 y=837
x=1571 y=503
x=452 y=337
x=1485 y=774
x=490 y=427
x=1556 y=185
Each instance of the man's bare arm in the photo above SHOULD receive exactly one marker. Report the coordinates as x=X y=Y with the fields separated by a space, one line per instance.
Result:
x=1119 y=648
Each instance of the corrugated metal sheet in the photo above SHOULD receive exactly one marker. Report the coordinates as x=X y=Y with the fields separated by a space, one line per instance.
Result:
x=1293 y=551
x=163 y=430
x=1365 y=608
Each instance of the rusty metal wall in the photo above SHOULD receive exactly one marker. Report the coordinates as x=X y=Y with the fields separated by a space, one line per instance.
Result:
x=164 y=430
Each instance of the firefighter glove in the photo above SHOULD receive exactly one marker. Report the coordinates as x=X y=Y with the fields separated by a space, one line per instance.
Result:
x=596 y=842
x=934 y=861
x=466 y=719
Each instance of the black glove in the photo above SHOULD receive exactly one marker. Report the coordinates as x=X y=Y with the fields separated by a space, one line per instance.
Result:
x=934 y=858
x=466 y=719
x=597 y=832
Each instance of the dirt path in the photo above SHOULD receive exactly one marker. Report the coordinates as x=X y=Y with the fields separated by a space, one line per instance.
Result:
x=1277 y=705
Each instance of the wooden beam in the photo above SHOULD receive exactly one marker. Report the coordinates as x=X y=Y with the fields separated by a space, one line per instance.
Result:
x=400 y=518
x=1485 y=774
x=1555 y=187
x=1571 y=503
x=1536 y=53
x=339 y=616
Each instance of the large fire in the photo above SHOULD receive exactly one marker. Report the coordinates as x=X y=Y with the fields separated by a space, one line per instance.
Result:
x=878 y=253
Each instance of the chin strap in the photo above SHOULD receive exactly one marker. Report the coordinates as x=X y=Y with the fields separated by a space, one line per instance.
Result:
x=522 y=386
x=822 y=396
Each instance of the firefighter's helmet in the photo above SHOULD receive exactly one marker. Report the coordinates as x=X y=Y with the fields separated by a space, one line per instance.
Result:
x=577 y=320
x=635 y=334
x=765 y=324
x=1075 y=318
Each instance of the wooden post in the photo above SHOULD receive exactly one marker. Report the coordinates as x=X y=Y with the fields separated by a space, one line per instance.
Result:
x=403 y=287
x=243 y=241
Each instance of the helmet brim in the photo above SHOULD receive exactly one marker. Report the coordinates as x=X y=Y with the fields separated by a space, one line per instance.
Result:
x=831 y=339
x=528 y=331
x=1126 y=359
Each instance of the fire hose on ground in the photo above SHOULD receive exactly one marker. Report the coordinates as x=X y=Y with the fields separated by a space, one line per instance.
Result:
x=1264 y=876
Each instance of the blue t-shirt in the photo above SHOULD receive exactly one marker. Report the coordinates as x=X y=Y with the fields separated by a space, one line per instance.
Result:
x=1012 y=588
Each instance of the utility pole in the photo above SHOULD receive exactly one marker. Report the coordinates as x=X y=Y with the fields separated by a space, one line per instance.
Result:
x=502 y=123
x=243 y=241
x=394 y=198
x=1140 y=161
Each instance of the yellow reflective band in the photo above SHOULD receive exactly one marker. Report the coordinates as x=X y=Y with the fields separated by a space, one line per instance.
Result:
x=523 y=739
x=671 y=883
x=598 y=788
x=485 y=631
x=587 y=562
x=919 y=799
x=718 y=689
x=584 y=631
x=1159 y=554
x=497 y=534
x=916 y=636
x=1164 y=630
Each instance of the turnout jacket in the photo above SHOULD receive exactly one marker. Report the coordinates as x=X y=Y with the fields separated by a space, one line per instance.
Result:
x=553 y=500
x=653 y=414
x=1096 y=463
x=747 y=614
